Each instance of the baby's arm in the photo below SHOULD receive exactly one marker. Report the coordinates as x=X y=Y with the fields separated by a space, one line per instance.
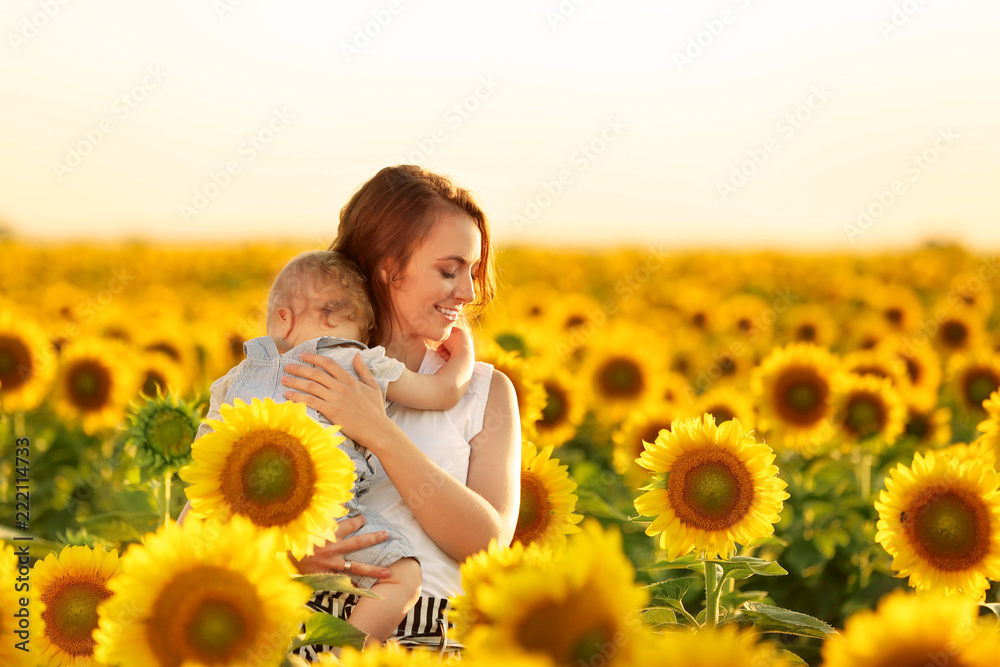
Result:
x=447 y=386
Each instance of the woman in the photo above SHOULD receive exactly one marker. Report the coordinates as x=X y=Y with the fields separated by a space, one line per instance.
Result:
x=449 y=479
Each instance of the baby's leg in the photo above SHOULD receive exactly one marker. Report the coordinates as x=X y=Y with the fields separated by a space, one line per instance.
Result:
x=399 y=592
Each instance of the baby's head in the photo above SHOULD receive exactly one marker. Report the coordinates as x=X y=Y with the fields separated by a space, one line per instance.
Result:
x=318 y=293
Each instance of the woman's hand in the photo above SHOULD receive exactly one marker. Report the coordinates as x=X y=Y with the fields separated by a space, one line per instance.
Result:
x=331 y=556
x=357 y=406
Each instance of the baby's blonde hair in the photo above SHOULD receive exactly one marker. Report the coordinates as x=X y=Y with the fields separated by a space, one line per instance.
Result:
x=325 y=268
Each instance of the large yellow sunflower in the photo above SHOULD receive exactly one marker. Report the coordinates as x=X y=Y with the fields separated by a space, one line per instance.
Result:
x=868 y=411
x=572 y=611
x=939 y=519
x=11 y=594
x=95 y=383
x=27 y=363
x=274 y=465
x=914 y=630
x=722 y=646
x=547 y=500
x=714 y=486
x=793 y=387
x=205 y=593
x=68 y=590
x=481 y=570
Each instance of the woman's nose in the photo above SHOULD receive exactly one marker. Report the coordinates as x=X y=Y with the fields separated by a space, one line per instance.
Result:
x=465 y=290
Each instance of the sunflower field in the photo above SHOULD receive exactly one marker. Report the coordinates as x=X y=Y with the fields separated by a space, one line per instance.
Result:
x=736 y=459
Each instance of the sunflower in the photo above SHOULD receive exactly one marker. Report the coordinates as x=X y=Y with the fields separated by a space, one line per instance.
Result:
x=273 y=464
x=715 y=485
x=572 y=611
x=899 y=305
x=972 y=378
x=939 y=519
x=643 y=425
x=159 y=373
x=620 y=374
x=922 y=382
x=959 y=331
x=524 y=376
x=747 y=318
x=879 y=362
x=10 y=600
x=378 y=655
x=810 y=323
x=865 y=332
x=928 y=428
x=868 y=411
x=990 y=428
x=912 y=630
x=723 y=646
x=977 y=450
x=793 y=388
x=94 y=383
x=547 y=500
x=68 y=590
x=972 y=293
x=676 y=389
x=563 y=412
x=698 y=307
x=202 y=593
x=726 y=403
x=483 y=569
x=27 y=363
x=162 y=430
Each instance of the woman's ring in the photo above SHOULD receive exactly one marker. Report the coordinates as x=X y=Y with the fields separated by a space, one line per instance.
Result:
x=347 y=566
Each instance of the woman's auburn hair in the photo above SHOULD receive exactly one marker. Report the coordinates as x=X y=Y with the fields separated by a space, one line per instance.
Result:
x=388 y=217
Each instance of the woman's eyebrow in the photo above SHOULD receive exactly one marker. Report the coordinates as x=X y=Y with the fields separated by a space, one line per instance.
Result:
x=454 y=258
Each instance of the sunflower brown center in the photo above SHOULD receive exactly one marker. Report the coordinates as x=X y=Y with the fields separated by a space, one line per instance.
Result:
x=208 y=615
x=15 y=363
x=573 y=631
x=698 y=319
x=722 y=413
x=979 y=383
x=710 y=489
x=171 y=433
x=954 y=334
x=915 y=655
x=913 y=369
x=535 y=512
x=573 y=321
x=165 y=348
x=894 y=315
x=949 y=527
x=800 y=396
x=919 y=425
x=555 y=411
x=877 y=371
x=620 y=378
x=153 y=381
x=89 y=385
x=269 y=477
x=70 y=614
x=806 y=332
x=865 y=415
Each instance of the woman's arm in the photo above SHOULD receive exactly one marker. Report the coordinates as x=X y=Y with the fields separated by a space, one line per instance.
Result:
x=460 y=518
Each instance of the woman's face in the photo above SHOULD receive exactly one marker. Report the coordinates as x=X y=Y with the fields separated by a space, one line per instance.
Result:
x=438 y=281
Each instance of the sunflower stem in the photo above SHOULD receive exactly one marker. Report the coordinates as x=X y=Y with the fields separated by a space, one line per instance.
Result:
x=712 y=589
x=168 y=477
x=864 y=473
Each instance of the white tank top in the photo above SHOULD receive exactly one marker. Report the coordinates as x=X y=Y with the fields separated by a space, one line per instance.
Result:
x=444 y=437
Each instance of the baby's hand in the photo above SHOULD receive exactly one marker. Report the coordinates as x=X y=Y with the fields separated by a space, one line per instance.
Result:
x=458 y=344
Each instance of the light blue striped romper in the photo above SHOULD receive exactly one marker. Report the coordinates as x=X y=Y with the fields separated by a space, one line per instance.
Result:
x=259 y=376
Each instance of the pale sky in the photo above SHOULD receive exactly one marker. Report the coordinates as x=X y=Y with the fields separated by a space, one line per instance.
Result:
x=770 y=123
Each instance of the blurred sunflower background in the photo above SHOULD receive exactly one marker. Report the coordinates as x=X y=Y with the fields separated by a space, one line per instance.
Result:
x=843 y=429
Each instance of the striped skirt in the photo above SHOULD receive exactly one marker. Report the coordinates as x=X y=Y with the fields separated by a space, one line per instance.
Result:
x=426 y=626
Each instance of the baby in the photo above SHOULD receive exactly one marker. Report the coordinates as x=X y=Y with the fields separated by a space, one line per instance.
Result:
x=318 y=304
